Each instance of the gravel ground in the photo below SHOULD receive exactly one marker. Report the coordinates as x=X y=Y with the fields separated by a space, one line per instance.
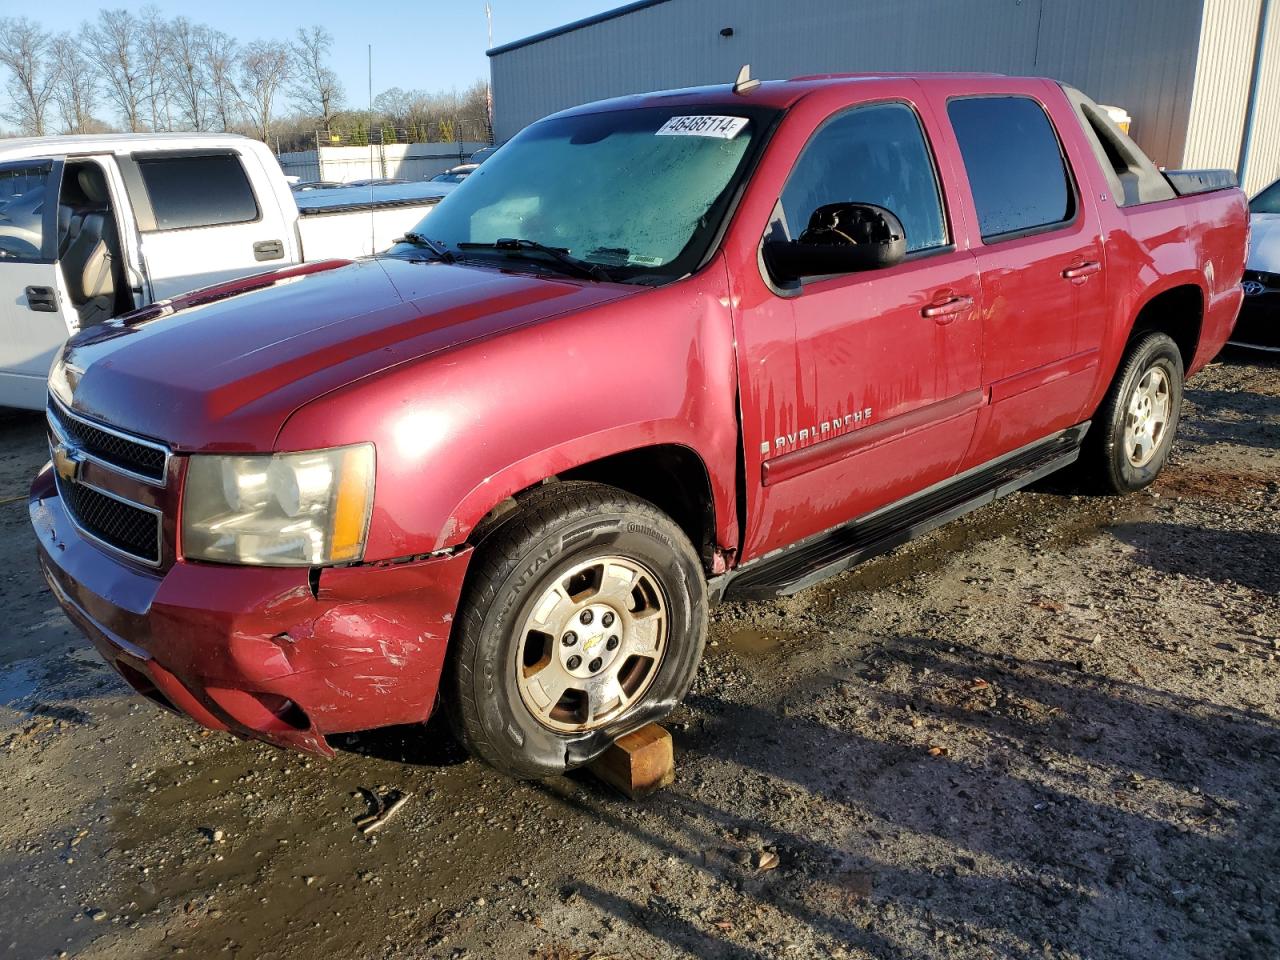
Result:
x=1051 y=729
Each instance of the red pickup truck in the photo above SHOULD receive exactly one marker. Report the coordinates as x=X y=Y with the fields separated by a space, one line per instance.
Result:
x=719 y=342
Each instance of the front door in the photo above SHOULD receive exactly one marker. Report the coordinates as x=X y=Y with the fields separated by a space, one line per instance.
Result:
x=888 y=368
x=33 y=305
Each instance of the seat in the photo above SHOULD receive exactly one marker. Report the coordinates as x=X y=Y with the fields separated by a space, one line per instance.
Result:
x=91 y=263
x=87 y=268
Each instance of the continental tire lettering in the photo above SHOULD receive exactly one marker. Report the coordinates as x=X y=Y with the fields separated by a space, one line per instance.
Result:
x=649 y=532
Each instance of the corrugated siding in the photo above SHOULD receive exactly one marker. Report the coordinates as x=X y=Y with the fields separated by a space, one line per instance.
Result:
x=1221 y=93
x=1264 y=157
x=678 y=44
x=1138 y=54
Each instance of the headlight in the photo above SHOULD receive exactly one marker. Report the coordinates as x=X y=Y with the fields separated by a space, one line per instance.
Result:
x=284 y=509
x=60 y=380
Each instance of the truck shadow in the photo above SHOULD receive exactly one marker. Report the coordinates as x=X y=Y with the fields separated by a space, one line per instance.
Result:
x=1239 y=418
x=1248 y=558
x=427 y=745
x=1046 y=799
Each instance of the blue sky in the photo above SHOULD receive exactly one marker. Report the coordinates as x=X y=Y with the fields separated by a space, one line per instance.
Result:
x=425 y=44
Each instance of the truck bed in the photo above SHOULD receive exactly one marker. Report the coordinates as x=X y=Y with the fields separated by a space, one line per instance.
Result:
x=329 y=219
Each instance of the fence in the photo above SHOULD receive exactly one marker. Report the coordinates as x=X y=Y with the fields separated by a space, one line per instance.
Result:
x=358 y=151
x=402 y=161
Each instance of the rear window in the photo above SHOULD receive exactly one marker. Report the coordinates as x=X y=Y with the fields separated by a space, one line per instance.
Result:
x=198 y=191
x=1014 y=162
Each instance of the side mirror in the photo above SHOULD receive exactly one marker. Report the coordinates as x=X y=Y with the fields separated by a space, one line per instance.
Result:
x=840 y=238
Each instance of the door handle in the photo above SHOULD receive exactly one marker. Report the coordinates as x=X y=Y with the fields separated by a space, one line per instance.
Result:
x=1080 y=270
x=947 y=310
x=42 y=299
x=268 y=250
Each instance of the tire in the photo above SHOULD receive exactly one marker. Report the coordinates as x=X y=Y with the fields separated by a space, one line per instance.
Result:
x=566 y=551
x=1118 y=457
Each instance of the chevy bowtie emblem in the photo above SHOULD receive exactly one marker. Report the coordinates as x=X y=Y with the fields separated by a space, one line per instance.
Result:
x=67 y=461
x=1252 y=288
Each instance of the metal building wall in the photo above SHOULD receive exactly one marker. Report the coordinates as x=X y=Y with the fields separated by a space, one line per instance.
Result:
x=1221 y=95
x=1139 y=54
x=678 y=44
x=1264 y=157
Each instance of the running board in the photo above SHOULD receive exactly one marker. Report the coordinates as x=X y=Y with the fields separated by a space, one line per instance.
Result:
x=810 y=561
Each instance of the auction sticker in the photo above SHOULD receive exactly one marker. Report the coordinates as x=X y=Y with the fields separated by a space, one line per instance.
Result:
x=723 y=128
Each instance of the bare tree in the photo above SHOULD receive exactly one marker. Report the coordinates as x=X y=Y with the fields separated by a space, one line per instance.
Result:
x=112 y=42
x=153 y=52
x=77 y=90
x=188 y=69
x=220 y=56
x=264 y=68
x=33 y=76
x=316 y=87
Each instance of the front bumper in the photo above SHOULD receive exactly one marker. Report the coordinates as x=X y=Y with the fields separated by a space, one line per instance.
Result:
x=261 y=652
x=1258 y=325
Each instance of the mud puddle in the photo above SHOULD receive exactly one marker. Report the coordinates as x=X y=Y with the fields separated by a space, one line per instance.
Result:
x=752 y=642
x=18 y=683
x=245 y=851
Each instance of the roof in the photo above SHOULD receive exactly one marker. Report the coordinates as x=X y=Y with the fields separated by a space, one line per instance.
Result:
x=18 y=147
x=575 y=25
x=779 y=94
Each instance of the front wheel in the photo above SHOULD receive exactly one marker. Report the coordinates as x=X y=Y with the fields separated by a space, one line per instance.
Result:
x=1133 y=431
x=584 y=618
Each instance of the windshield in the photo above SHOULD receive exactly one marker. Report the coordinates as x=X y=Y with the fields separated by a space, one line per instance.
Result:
x=641 y=193
x=1268 y=201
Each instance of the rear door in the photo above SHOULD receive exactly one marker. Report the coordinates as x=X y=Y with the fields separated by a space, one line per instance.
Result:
x=1038 y=243
x=33 y=306
x=205 y=216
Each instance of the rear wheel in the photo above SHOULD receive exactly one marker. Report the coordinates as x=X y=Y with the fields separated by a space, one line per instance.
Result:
x=1133 y=431
x=584 y=618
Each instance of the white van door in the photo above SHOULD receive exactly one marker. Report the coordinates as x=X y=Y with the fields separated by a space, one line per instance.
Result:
x=205 y=216
x=33 y=302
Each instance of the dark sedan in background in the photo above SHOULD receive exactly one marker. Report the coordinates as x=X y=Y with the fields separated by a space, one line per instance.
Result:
x=1259 y=325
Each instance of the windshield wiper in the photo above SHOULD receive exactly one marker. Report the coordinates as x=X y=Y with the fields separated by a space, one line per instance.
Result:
x=583 y=268
x=418 y=240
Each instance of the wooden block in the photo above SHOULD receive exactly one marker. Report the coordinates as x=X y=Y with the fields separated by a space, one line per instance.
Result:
x=639 y=763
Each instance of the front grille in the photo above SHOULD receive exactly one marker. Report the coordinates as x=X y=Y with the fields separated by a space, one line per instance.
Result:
x=138 y=457
x=1269 y=280
x=128 y=528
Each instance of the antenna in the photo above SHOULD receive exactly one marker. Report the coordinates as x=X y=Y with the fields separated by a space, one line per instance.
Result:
x=744 y=84
x=373 y=215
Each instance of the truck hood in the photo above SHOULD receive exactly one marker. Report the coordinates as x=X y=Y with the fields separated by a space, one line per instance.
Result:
x=223 y=368
x=1264 y=247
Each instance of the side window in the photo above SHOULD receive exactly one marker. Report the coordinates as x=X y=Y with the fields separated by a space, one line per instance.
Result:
x=199 y=190
x=24 y=188
x=875 y=154
x=1014 y=162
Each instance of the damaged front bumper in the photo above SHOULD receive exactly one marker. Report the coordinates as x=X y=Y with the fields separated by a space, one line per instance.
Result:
x=276 y=654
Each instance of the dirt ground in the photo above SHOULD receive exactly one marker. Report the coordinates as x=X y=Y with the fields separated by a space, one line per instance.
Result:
x=1049 y=730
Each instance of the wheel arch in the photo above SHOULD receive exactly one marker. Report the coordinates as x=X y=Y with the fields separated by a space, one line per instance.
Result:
x=672 y=476
x=1176 y=310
